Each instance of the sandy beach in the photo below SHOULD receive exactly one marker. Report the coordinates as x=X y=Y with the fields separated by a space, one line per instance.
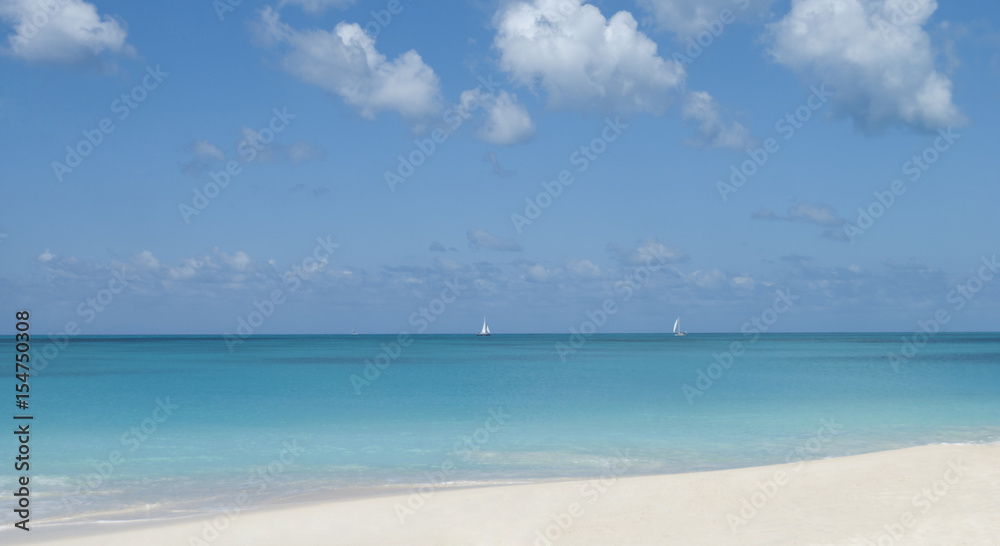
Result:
x=938 y=494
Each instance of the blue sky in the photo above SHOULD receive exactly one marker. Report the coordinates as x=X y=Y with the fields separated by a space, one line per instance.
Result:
x=313 y=103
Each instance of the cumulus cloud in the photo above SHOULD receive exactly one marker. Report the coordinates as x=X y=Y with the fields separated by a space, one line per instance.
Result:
x=582 y=59
x=689 y=17
x=250 y=148
x=507 y=122
x=652 y=251
x=69 y=32
x=701 y=108
x=346 y=63
x=205 y=149
x=877 y=56
x=819 y=214
x=146 y=260
x=484 y=239
x=46 y=256
x=317 y=7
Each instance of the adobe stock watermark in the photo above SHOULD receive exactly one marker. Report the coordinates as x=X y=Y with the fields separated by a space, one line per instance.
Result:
x=249 y=149
x=894 y=531
x=88 y=309
x=915 y=167
x=592 y=490
x=705 y=378
x=899 y=14
x=131 y=441
x=786 y=126
x=292 y=280
x=39 y=19
x=958 y=298
x=750 y=505
x=261 y=479
x=464 y=447
x=124 y=105
x=625 y=288
x=583 y=157
x=421 y=319
x=423 y=148
x=697 y=44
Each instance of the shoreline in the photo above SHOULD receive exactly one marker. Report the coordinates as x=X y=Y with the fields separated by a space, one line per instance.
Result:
x=931 y=494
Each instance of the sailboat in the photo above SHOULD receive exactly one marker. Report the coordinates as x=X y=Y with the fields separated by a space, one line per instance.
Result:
x=354 y=331
x=486 y=329
x=677 y=328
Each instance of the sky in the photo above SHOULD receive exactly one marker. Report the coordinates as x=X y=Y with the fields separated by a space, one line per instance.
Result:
x=311 y=166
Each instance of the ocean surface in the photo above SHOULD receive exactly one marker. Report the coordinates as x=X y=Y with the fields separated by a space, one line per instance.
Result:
x=148 y=427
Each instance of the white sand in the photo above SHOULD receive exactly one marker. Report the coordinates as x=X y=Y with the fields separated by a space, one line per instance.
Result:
x=931 y=495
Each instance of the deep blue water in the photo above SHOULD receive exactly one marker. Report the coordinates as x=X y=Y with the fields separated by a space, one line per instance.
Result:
x=504 y=408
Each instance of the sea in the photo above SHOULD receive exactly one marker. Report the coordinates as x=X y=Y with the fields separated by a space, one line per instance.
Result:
x=130 y=428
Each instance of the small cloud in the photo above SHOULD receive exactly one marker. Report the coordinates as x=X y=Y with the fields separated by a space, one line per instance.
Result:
x=584 y=268
x=701 y=108
x=437 y=247
x=484 y=239
x=507 y=122
x=796 y=258
x=346 y=62
x=238 y=260
x=46 y=256
x=146 y=259
x=820 y=214
x=651 y=251
x=205 y=149
x=303 y=151
x=317 y=7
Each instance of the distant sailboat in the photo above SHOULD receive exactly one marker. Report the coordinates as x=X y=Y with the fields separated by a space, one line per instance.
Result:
x=677 y=328
x=486 y=329
x=354 y=331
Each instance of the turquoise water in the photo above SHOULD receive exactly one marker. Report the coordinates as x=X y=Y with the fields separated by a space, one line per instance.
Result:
x=280 y=416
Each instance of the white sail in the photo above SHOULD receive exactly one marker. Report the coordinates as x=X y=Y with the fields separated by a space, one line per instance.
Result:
x=485 y=329
x=677 y=325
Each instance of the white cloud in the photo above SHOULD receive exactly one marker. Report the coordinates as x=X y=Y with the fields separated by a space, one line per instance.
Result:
x=702 y=108
x=582 y=59
x=346 y=63
x=204 y=148
x=146 y=259
x=652 y=251
x=820 y=214
x=877 y=57
x=46 y=256
x=189 y=268
x=301 y=151
x=483 y=239
x=689 y=17
x=317 y=7
x=507 y=122
x=742 y=282
x=64 y=32
x=239 y=260
x=537 y=273
x=584 y=268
